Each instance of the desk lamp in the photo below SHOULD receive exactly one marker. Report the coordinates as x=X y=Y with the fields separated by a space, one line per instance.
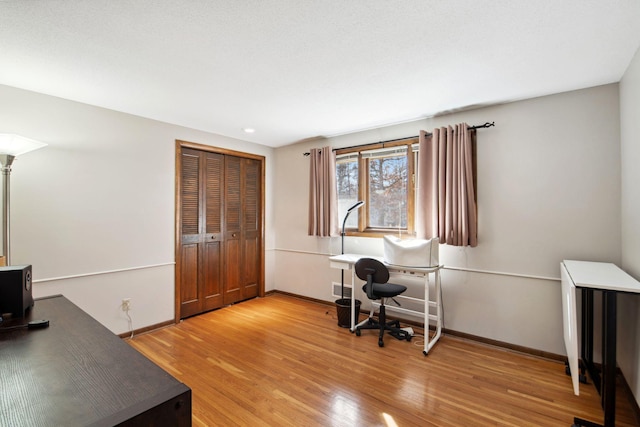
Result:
x=11 y=146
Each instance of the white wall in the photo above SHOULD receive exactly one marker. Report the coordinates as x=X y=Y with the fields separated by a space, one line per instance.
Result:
x=98 y=202
x=548 y=190
x=629 y=305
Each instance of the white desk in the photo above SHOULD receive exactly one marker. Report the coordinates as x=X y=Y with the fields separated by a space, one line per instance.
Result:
x=347 y=261
x=593 y=276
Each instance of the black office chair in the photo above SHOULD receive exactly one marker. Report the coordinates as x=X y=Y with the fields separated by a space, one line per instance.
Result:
x=377 y=288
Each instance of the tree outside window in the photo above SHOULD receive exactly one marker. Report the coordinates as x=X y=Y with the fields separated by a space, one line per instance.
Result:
x=382 y=176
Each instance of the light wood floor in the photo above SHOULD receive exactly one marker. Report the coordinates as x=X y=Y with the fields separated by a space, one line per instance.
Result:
x=283 y=361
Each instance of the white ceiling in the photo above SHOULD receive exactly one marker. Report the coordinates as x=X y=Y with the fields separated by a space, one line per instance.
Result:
x=297 y=69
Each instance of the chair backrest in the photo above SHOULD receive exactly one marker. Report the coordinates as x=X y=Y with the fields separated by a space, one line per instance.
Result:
x=373 y=271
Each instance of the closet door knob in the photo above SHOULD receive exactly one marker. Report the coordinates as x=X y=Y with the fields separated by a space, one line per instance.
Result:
x=234 y=235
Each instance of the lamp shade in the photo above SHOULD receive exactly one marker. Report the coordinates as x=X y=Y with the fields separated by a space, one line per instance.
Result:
x=358 y=204
x=15 y=145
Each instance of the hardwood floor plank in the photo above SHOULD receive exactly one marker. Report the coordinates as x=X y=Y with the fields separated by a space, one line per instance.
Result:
x=283 y=361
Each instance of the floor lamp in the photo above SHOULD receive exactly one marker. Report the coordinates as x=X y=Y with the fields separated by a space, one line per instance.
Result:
x=11 y=146
x=358 y=205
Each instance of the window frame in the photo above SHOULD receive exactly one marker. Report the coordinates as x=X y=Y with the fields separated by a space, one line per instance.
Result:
x=363 y=229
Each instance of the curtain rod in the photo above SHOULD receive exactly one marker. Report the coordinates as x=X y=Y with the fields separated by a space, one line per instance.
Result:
x=486 y=125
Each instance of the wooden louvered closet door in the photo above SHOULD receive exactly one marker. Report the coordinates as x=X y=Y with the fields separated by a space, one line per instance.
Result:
x=201 y=257
x=241 y=229
x=220 y=230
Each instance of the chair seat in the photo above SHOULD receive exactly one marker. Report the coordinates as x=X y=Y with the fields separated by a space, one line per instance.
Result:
x=386 y=290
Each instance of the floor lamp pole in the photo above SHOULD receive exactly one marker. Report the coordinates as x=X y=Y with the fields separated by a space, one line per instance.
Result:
x=344 y=223
x=6 y=160
x=342 y=252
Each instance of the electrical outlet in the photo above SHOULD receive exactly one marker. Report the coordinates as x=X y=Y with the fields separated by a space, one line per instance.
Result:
x=126 y=304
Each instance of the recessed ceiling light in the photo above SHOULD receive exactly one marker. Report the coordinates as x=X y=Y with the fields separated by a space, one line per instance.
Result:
x=249 y=130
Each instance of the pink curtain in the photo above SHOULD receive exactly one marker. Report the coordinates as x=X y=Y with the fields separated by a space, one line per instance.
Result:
x=323 y=200
x=446 y=193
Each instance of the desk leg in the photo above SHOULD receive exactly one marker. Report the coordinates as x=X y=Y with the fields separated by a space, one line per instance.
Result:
x=606 y=384
x=428 y=343
x=587 y=338
x=608 y=393
x=438 y=306
x=588 y=324
x=426 y=315
x=353 y=299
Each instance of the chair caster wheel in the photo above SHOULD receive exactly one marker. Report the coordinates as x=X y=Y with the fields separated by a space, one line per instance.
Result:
x=380 y=343
x=409 y=338
x=358 y=332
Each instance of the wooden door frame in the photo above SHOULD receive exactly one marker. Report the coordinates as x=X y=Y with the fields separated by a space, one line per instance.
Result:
x=178 y=212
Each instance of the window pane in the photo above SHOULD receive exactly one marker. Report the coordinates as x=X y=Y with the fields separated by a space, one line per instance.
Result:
x=347 y=181
x=388 y=192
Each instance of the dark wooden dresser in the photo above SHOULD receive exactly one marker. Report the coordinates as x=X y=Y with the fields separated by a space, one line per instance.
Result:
x=78 y=373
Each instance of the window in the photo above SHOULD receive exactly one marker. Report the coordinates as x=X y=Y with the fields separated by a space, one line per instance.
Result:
x=347 y=181
x=383 y=176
